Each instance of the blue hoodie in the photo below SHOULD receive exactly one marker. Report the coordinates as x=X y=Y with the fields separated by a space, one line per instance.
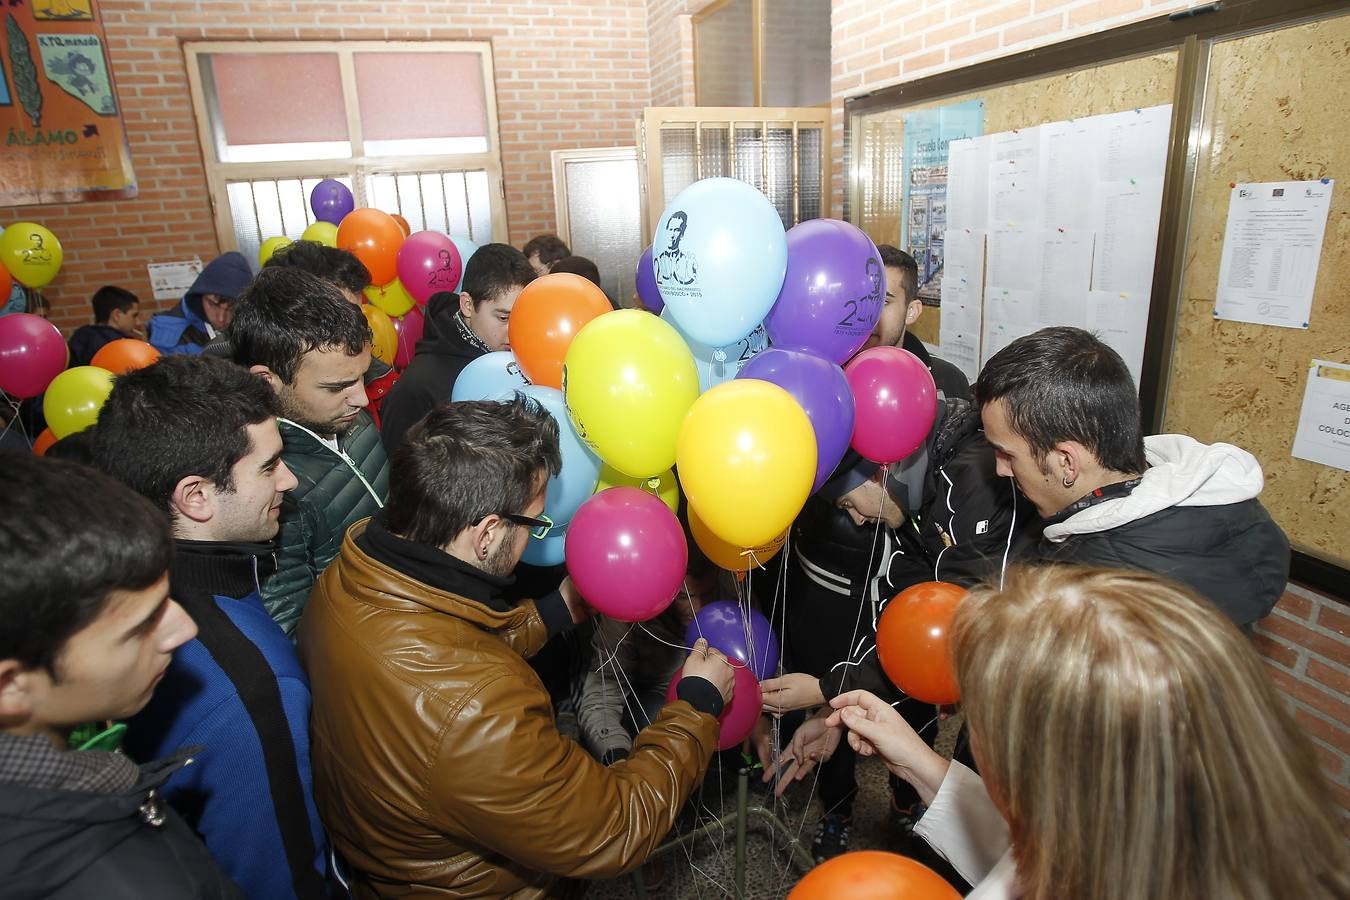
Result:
x=183 y=330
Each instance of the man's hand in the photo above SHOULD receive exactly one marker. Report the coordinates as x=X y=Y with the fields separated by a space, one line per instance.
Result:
x=791 y=692
x=814 y=742
x=707 y=662
x=576 y=604
x=876 y=729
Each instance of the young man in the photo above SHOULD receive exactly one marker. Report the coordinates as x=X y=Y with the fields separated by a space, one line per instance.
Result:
x=338 y=266
x=198 y=437
x=207 y=308
x=87 y=629
x=902 y=309
x=117 y=315
x=459 y=329
x=298 y=333
x=438 y=767
x=544 y=251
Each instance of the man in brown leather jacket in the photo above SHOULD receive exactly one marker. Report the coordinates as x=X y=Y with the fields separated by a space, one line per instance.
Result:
x=437 y=767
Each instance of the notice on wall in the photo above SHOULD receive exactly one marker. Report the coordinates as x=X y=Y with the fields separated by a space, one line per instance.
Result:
x=1323 y=434
x=1271 y=250
x=962 y=300
x=928 y=134
x=171 y=280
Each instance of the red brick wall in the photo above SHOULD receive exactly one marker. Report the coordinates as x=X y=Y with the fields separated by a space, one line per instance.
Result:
x=670 y=33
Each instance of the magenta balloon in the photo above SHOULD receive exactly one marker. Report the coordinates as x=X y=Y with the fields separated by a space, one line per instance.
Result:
x=740 y=715
x=896 y=403
x=646 y=284
x=833 y=292
x=409 y=328
x=626 y=554
x=32 y=353
x=331 y=201
x=428 y=263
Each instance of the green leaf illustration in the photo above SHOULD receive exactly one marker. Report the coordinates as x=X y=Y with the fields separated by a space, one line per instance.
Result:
x=25 y=73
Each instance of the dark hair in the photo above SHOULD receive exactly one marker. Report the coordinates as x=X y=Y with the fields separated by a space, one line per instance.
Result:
x=1064 y=384
x=70 y=536
x=76 y=448
x=35 y=302
x=110 y=298
x=467 y=460
x=338 y=266
x=895 y=258
x=181 y=416
x=287 y=312
x=550 y=248
x=579 y=265
x=493 y=270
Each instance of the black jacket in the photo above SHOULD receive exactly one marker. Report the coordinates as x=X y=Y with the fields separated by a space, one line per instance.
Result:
x=948 y=378
x=120 y=846
x=439 y=357
x=88 y=340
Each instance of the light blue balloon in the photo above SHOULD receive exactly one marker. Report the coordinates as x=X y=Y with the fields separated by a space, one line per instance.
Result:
x=549 y=551
x=466 y=249
x=720 y=256
x=711 y=371
x=575 y=482
x=490 y=377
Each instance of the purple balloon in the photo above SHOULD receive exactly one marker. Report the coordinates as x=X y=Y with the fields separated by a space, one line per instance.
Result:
x=833 y=293
x=823 y=391
x=331 y=201
x=646 y=284
x=723 y=625
x=627 y=554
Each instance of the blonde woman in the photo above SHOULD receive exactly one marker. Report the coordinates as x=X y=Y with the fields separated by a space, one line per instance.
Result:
x=1131 y=747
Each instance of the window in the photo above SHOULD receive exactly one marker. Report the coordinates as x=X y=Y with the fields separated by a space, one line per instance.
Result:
x=411 y=128
x=760 y=53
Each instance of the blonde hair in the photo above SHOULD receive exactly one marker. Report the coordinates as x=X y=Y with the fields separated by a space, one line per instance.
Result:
x=1136 y=746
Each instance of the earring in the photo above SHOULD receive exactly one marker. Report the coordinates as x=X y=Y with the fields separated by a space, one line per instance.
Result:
x=1068 y=482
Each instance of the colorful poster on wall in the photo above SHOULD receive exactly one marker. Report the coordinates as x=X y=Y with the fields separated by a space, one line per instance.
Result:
x=927 y=136
x=63 y=139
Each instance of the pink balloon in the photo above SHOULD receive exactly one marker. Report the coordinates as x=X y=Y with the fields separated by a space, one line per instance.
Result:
x=32 y=353
x=409 y=328
x=740 y=715
x=428 y=263
x=896 y=403
x=626 y=552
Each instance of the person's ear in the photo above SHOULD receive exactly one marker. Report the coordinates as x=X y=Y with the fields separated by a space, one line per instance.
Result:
x=194 y=498
x=16 y=693
x=266 y=375
x=1067 y=461
x=465 y=304
x=484 y=533
x=913 y=311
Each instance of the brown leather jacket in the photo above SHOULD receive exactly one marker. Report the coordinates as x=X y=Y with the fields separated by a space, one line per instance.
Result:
x=438 y=770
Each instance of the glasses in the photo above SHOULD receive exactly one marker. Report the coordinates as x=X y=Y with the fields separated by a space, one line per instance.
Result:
x=539 y=528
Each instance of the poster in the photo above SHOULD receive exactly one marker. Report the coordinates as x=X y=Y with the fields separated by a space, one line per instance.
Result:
x=63 y=135
x=1323 y=434
x=928 y=134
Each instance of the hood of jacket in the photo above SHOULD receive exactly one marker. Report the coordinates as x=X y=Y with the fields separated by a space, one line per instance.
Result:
x=227 y=275
x=444 y=334
x=1182 y=472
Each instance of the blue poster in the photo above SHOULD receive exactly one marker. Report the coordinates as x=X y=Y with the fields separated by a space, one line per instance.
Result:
x=924 y=190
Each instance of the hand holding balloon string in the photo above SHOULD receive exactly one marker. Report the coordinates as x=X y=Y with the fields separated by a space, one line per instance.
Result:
x=877 y=729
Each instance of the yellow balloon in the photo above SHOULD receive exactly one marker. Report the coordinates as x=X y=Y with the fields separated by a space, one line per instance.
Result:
x=724 y=555
x=629 y=379
x=383 y=337
x=663 y=485
x=321 y=233
x=74 y=398
x=393 y=297
x=32 y=254
x=270 y=246
x=746 y=457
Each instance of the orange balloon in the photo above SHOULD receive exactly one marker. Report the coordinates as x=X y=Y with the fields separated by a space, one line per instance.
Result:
x=44 y=442
x=873 y=875
x=124 y=355
x=728 y=556
x=402 y=223
x=374 y=237
x=914 y=641
x=547 y=315
x=6 y=283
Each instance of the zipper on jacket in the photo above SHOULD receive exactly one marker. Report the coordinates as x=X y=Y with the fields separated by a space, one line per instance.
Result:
x=351 y=463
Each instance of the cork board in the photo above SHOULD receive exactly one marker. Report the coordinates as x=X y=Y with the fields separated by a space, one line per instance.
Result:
x=1113 y=87
x=1274 y=112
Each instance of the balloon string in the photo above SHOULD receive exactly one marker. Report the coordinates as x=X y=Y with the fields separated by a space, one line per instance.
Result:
x=734 y=663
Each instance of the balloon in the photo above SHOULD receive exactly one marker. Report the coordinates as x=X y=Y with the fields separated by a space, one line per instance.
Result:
x=746 y=457
x=571 y=487
x=402 y=223
x=331 y=201
x=823 y=392
x=719 y=259
x=724 y=626
x=270 y=246
x=410 y=327
x=74 y=397
x=546 y=318
x=124 y=355
x=31 y=253
x=321 y=233
x=43 y=442
x=740 y=715
x=491 y=375
x=629 y=380
x=32 y=353
x=466 y=248
x=375 y=238
x=896 y=403
x=727 y=556
x=393 y=298
x=873 y=875
x=833 y=292
x=6 y=283
x=428 y=262
x=626 y=553
x=383 y=338
x=646 y=283
x=914 y=644
x=711 y=371
x=663 y=485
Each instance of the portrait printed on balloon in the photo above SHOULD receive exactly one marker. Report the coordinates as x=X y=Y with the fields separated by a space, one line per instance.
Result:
x=860 y=315
x=676 y=267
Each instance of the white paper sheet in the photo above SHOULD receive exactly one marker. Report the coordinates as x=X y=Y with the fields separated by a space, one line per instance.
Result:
x=171 y=280
x=962 y=300
x=1068 y=173
x=1271 y=251
x=1323 y=434
x=1126 y=223
x=1066 y=276
x=1015 y=195
x=968 y=183
x=1132 y=144
x=1120 y=318
x=1015 y=259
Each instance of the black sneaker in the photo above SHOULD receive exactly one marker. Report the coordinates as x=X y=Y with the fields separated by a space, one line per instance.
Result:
x=831 y=836
x=904 y=819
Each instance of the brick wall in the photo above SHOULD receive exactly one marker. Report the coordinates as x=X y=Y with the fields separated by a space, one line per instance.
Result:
x=569 y=73
x=671 y=41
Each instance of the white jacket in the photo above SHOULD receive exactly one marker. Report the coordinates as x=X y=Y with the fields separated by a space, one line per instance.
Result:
x=964 y=826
